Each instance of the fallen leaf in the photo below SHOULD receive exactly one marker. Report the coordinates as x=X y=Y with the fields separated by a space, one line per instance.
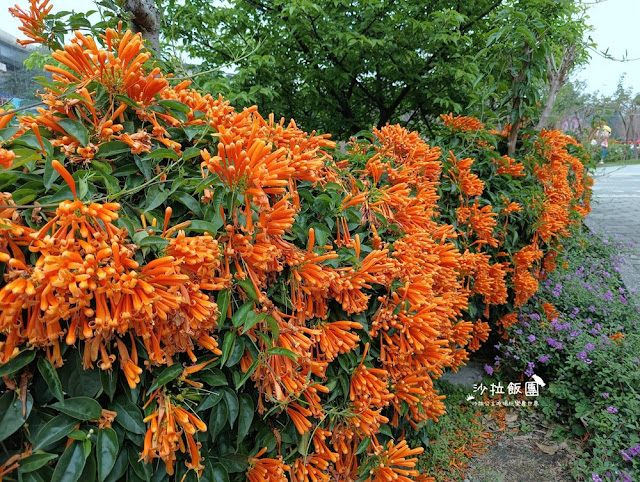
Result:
x=548 y=449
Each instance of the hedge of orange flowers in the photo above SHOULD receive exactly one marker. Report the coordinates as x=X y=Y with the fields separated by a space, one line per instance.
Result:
x=190 y=291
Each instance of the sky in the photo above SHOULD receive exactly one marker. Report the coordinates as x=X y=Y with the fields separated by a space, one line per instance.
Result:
x=615 y=22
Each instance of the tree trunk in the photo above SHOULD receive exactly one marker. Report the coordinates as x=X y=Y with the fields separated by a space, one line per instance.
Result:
x=548 y=108
x=145 y=19
x=514 y=131
x=556 y=76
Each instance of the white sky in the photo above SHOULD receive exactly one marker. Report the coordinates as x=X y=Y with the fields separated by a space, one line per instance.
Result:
x=616 y=26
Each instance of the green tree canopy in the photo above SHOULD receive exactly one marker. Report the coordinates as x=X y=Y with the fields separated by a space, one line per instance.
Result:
x=344 y=64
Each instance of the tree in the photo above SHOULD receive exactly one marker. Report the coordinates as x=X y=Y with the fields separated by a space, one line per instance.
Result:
x=530 y=51
x=340 y=65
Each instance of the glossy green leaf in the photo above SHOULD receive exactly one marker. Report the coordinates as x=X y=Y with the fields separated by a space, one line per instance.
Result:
x=76 y=130
x=276 y=350
x=119 y=468
x=22 y=359
x=106 y=452
x=168 y=374
x=217 y=419
x=153 y=241
x=113 y=148
x=129 y=415
x=227 y=346
x=213 y=377
x=211 y=401
x=223 y=305
x=210 y=227
x=51 y=378
x=71 y=464
x=233 y=405
x=35 y=461
x=242 y=313
x=245 y=417
x=11 y=410
x=80 y=408
x=54 y=430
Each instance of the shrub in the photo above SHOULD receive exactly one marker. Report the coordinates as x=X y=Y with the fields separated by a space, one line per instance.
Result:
x=586 y=347
x=194 y=291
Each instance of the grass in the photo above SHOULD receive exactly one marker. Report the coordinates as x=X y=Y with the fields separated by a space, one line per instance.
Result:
x=628 y=162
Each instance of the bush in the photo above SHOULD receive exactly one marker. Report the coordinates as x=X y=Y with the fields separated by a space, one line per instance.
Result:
x=209 y=289
x=588 y=352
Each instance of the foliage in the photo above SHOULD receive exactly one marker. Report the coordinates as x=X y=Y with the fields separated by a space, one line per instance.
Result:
x=190 y=290
x=341 y=66
x=586 y=347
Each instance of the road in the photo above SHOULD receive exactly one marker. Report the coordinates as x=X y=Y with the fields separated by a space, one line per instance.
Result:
x=616 y=212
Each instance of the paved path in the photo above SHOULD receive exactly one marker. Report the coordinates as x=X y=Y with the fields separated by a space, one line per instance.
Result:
x=616 y=211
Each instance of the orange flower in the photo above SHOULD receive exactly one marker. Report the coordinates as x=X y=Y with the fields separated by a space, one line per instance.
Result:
x=266 y=470
x=32 y=21
x=6 y=158
x=461 y=123
x=396 y=462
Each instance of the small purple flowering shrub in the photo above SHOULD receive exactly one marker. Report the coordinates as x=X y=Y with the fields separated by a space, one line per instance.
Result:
x=593 y=380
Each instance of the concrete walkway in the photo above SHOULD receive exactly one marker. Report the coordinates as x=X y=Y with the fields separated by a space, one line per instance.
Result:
x=616 y=213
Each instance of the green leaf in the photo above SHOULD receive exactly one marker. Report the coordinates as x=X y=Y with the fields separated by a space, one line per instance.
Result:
x=80 y=408
x=386 y=430
x=119 y=468
x=213 y=377
x=50 y=376
x=362 y=446
x=223 y=305
x=217 y=420
x=153 y=241
x=184 y=198
x=214 y=473
x=162 y=153
x=168 y=374
x=145 y=166
x=205 y=226
x=242 y=314
x=106 y=452
x=247 y=285
x=175 y=105
x=50 y=174
x=233 y=405
x=190 y=152
x=211 y=401
x=129 y=415
x=11 y=418
x=245 y=416
x=54 y=430
x=227 y=346
x=246 y=375
x=71 y=464
x=276 y=350
x=253 y=321
x=156 y=200
x=109 y=382
x=76 y=130
x=35 y=461
x=112 y=148
x=273 y=326
x=19 y=361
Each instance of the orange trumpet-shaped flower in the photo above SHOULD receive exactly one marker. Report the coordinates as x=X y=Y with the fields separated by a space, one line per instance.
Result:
x=397 y=462
x=266 y=469
x=32 y=21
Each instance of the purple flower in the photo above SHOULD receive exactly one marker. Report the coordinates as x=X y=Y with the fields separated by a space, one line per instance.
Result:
x=605 y=395
x=634 y=451
x=532 y=338
x=625 y=456
x=535 y=316
x=488 y=369
x=557 y=290
x=554 y=343
x=612 y=409
x=589 y=347
x=582 y=355
x=596 y=478
x=592 y=309
x=544 y=358
x=608 y=296
x=518 y=332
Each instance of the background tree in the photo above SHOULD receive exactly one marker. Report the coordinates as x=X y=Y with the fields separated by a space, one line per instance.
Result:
x=340 y=66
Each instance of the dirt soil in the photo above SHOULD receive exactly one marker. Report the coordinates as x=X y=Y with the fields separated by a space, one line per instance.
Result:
x=525 y=453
